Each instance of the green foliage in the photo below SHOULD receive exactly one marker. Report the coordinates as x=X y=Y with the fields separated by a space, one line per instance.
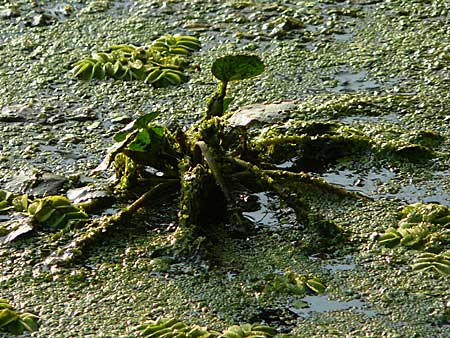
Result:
x=231 y=68
x=317 y=141
x=162 y=64
x=55 y=212
x=289 y=283
x=16 y=323
x=423 y=227
x=143 y=143
x=9 y=201
x=430 y=261
x=171 y=328
x=237 y=67
x=249 y=330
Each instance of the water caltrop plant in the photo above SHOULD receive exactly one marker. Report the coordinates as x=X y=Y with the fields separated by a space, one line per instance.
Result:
x=202 y=164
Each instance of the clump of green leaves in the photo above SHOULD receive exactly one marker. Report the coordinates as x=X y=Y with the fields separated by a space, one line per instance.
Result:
x=51 y=213
x=435 y=262
x=171 y=328
x=14 y=322
x=249 y=330
x=161 y=64
x=5 y=200
x=423 y=227
x=289 y=283
x=55 y=212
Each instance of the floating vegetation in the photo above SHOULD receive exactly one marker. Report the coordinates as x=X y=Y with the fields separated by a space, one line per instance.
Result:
x=55 y=212
x=249 y=330
x=424 y=227
x=171 y=328
x=430 y=261
x=14 y=322
x=290 y=283
x=51 y=213
x=161 y=64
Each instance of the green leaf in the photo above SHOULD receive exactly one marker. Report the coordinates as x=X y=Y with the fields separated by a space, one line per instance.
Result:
x=237 y=67
x=315 y=285
x=140 y=122
x=141 y=141
x=7 y=316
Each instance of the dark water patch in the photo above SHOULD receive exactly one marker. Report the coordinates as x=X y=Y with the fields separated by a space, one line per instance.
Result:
x=348 y=81
x=344 y=36
x=384 y=183
x=434 y=190
x=270 y=213
x=365 y=183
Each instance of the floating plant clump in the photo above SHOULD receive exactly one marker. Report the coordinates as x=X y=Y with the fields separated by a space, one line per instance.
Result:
x=51 y=213
x=55 y=212
x=14 y=322
x=171 y=328
x=161 y=64
x=430 y=261
x=423 y=227
x=290 y=283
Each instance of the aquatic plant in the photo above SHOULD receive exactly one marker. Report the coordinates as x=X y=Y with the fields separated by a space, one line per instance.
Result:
x=289 y=283
x=5 y=200
x=171 y=328
x=55 y=212
x=14 y=322
x=430 y=261
x=423 y=227
x=161 y=64
x=249 y=330
x=231 y=68
x=51 y=213
x=211 y=163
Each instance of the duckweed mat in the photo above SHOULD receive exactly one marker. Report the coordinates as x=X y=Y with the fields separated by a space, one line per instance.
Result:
x=378 y=67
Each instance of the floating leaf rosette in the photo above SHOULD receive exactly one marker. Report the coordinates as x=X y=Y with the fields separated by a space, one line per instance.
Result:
x=435 y=262
x=55 y=212
x=422 y=226
x=161 y=64
x=426 y=228
x=171 y=328
x=249 y=330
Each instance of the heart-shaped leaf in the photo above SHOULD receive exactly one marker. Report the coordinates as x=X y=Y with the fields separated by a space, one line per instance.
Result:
x=237 y=67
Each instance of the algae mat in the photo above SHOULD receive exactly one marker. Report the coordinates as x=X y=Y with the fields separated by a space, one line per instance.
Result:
x=379 y=66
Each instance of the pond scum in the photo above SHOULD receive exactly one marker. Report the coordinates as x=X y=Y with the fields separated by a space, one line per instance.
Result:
x=201 y=162
x=213 y=168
